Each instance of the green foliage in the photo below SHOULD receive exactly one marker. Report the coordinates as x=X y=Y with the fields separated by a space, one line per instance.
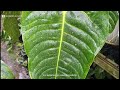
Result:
x=63 y=45
x=113 y=18
x=11 y=13
x=4 y=36
x=6 y=72
x=11 y=24
x=97 y=18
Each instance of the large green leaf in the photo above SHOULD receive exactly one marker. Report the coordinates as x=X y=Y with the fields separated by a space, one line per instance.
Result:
x=113 y=18
x=6 y=72
x=63 y=44
x=11 y=24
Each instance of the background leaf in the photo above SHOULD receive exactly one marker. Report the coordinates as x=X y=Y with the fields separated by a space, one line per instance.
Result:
x=11 y=24
x=113 y=18
x=63 y=45
x=6 y=72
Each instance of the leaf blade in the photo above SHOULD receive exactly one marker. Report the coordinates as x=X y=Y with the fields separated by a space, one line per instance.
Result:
x=10 y=24
x=63 y=46
x=6 y=72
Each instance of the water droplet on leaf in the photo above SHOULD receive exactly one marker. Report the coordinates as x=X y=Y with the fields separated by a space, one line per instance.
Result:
x=55 y=25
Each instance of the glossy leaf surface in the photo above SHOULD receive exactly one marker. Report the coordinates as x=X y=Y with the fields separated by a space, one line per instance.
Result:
x=63 y=44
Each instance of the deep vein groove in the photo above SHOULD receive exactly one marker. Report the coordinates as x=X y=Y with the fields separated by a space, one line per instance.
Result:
x=44 y=41
x=42 y=52
x=27 y=15
x=80 y=40
x=115 y=18
x=82 y=31
x=32 y=22
x=63 y=22
x=35 y=26
x=41 y=69
x=72 y=68
x=45 y=30
x=42 y=74
x=75 y=59
x=81 y=52
x=45 y=59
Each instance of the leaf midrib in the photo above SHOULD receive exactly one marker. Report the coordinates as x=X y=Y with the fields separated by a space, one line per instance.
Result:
x=61 y=39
